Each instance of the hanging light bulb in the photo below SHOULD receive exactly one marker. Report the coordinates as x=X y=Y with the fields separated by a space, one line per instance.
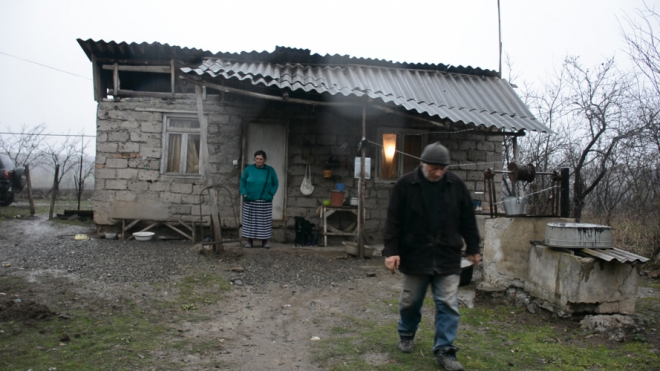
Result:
x=389 y=146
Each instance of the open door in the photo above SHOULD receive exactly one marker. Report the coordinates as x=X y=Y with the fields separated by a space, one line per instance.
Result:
x=272 y=139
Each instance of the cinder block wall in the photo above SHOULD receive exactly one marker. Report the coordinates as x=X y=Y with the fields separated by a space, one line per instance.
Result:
x=130 y=146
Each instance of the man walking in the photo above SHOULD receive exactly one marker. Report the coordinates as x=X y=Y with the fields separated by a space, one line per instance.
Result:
x=430 y=211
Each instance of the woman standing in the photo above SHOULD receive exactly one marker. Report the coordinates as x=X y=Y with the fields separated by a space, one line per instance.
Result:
x=258 y=186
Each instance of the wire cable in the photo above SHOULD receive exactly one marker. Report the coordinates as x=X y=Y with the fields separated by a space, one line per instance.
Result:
x=43 y=65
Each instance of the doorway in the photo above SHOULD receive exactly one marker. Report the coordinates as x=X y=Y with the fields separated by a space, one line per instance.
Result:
x=272 y=139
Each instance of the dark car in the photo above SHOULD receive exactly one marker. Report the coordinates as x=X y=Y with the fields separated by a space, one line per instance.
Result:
x=12 y=180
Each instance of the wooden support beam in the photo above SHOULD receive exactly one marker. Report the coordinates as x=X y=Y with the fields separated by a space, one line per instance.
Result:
x=363 y=183
x=184 y=234
x=265 y=96
x=115 y=80
x=132 y=93
x=172 y=76
x=153 y=69
x=99 y=90
x=204 y=153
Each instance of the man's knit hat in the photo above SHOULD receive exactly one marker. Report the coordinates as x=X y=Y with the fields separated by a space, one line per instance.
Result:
x=436 y=154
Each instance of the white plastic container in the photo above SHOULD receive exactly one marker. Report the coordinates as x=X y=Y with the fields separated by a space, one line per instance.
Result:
x=354 y=201
x=143 y=236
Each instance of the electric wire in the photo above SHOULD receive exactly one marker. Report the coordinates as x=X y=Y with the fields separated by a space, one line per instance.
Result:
x=43 y=65
x=533 y=193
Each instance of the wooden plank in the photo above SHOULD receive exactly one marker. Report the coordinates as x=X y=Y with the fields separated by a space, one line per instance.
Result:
x=184 y=234
x=172 y=77
x=99 y=94
x=125 y=228
x=190 y=227
x=204 y=153
x=152 y=69
x=363 y=184
x=29 y=189
x=154 y=94
x=115 y=80
x=162 y=110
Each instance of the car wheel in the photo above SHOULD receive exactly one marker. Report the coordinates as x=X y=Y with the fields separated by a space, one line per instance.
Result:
x=8 y=200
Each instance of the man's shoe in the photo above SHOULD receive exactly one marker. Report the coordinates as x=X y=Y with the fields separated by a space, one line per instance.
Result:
x=406 y=346
x=448 y=361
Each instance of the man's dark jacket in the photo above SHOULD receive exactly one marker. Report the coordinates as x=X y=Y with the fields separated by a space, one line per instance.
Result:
x=425 y=248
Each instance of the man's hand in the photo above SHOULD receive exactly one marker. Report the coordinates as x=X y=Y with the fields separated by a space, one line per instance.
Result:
x=475 y=258
x=392 y=262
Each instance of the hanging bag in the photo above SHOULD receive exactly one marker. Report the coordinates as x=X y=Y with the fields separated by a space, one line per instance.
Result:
x=306 y=188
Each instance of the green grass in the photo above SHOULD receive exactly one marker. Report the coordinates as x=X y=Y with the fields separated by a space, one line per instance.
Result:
x=123 y=335
x=490 y=339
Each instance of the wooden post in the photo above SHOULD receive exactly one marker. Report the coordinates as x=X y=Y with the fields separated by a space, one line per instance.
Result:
x=565 y=204
x=204 y=154
x=363 y=156
x=55 y=189
x=29 y=189
x=80 y=179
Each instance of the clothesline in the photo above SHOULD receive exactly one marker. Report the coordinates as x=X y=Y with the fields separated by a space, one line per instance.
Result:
x=533 y=193
x=450 y=165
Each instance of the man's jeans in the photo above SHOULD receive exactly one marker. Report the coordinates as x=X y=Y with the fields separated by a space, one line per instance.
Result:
x=445 y=296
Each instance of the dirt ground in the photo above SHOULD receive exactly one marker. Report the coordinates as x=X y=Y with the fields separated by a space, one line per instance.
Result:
x=271 y=325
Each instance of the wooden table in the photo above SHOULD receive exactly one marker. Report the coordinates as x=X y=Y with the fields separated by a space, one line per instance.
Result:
x=131 y=213
x=329 y=230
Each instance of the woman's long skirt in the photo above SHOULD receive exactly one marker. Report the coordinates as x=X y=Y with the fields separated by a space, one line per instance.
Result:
x=258 y=220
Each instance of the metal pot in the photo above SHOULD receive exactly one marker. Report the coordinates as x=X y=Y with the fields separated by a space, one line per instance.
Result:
x=514 y=205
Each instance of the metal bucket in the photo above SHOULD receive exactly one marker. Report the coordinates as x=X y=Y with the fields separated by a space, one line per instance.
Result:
x=514 y=205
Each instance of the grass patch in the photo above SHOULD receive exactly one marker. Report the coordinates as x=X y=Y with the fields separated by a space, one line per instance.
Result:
x=495 y=338
x=123 y=334
x=654 y=284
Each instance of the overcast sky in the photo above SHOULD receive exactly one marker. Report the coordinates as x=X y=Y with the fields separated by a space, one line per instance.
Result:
x=537 y=36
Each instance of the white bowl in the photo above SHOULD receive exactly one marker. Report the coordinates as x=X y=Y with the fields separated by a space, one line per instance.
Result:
x=143 y=236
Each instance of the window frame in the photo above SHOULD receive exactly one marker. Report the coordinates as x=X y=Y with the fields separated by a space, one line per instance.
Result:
x=184 y=132
x=400 y=133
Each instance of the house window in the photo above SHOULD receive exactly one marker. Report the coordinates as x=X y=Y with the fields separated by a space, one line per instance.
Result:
x=181 y=147
x=397 y=145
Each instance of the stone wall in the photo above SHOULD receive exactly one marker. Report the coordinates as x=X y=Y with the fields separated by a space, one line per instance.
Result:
x=129 y=150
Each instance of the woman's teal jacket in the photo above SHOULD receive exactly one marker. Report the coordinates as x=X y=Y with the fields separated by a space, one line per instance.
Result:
x=258 y=184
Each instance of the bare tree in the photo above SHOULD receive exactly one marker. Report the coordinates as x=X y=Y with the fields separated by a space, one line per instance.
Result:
x=543 y=150
x=64 y=153
x=598 y=103
x=25 y=147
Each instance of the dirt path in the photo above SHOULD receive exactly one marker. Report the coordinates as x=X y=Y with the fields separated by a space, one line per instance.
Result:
x=255 y=326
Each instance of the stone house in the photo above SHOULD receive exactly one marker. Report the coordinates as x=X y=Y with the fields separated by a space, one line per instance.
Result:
x=173 y=121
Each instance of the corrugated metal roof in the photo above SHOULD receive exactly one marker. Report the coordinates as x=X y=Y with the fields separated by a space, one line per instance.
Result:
x=461 y=98
x=459 y=94
x=281 y=55
x=614 y=253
